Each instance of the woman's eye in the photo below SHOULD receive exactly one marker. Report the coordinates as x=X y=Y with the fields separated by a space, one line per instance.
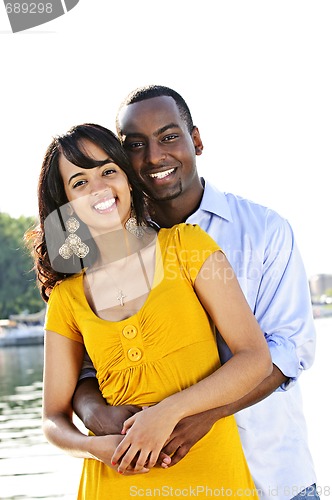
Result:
x=109 y=171
x=78 y=184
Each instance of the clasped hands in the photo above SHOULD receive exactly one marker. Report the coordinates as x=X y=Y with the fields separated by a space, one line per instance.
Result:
x=146 y=442
x=143 y=441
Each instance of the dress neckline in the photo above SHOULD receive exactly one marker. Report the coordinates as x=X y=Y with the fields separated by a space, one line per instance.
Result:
x=158 y=277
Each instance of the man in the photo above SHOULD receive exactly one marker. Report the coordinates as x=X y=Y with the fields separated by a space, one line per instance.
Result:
x=156 y=129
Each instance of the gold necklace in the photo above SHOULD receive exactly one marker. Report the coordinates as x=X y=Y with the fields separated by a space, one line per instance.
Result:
x=120 y=297
x=120 y=294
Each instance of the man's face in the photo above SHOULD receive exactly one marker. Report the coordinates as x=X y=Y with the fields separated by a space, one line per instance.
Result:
x=160 y=147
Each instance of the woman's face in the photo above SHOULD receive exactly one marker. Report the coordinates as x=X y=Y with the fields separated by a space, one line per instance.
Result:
x=100 y=196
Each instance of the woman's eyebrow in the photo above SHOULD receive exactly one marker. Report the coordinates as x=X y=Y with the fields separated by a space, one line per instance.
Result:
x=73 y=177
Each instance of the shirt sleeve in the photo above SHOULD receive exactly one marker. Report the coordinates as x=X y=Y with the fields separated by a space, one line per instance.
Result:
x=88 y=370
x=59 y=315
x=283 y=307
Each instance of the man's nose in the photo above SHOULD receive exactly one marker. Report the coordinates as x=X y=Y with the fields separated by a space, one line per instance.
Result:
x=155 y=153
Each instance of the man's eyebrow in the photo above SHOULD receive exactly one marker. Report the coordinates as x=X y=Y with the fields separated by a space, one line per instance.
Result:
x=165 y=128
x=159 y=131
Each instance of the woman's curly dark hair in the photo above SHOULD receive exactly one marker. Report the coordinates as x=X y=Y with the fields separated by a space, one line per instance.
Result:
x=46 y=238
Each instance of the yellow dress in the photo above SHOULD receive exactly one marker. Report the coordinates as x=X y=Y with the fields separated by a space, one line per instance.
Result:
x=168 y=345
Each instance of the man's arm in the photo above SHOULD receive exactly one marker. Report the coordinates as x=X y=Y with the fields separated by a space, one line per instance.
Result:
x=97 y=416
x=103 y=419
x=192 y=429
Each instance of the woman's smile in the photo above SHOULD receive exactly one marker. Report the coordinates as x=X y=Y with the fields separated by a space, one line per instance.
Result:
x=105 y=205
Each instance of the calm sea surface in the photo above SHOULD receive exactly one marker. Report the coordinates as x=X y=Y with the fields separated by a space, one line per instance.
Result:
x=30 y=468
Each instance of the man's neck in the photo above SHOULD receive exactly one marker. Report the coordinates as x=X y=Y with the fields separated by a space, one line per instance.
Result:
x=167 y=213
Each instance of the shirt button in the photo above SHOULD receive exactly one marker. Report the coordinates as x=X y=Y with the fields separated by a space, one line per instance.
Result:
x=134 y=354
x=129 y=332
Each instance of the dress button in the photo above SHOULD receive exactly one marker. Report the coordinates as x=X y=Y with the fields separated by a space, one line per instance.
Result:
x=134 y=354
x=129 y=332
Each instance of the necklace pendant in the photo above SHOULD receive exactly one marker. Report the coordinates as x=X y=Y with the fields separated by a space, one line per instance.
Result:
x=120 y=297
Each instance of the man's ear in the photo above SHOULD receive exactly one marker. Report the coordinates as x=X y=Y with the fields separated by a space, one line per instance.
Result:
x=196 y=137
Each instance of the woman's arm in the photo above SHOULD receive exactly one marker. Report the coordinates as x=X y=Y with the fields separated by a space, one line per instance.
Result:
x=222 y=297
x=59 y=387
x=191 y=429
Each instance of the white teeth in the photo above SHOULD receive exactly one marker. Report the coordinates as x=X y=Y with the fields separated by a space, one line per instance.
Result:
x=161 y=175
x=103 y=205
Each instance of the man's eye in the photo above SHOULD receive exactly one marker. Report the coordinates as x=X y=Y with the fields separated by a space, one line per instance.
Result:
x=134 y=145
x=170 y=137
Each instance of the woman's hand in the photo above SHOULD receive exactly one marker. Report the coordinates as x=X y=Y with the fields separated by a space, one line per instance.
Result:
x=102 y=449
x=146 y=433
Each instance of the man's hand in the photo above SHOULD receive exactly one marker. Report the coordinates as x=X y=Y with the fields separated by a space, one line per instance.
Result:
x=191 y=429
x=109 y=419
x=187 y=433
x=97 y=416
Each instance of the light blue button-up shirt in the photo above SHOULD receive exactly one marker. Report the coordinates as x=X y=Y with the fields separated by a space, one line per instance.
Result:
x=261 y=249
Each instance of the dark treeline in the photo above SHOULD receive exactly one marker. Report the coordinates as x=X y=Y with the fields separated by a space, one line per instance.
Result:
x=18 y=288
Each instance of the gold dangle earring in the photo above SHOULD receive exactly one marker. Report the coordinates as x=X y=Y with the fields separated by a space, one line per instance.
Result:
x=132 y=226
x=73 y=244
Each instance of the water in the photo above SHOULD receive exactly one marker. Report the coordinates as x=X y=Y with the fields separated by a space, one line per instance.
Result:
x=30 y=468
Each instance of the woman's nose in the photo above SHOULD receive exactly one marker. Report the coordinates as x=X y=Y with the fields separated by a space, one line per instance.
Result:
x=98 y=185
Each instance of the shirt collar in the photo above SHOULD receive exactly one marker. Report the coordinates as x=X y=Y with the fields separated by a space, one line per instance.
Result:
x=215 y=201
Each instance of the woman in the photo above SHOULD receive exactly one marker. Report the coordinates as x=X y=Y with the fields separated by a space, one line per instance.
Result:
x=134 y=298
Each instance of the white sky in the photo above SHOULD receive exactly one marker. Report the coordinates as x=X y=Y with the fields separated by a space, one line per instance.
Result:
x=257 y=76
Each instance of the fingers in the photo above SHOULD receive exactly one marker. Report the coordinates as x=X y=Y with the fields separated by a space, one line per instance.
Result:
x=141 y=459
x=174 y=450
x=121 y=451
x=178 y=455
x=133 y=472
x=171 y=447
x=164 y=460
x=129 y=457
x=130 y=471
x=153 y=458
x=127 y=424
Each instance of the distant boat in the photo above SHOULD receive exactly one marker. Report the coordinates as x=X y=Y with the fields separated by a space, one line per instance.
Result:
x=25 y=330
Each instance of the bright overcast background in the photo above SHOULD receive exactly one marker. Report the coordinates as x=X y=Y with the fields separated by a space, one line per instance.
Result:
x=256 y=75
